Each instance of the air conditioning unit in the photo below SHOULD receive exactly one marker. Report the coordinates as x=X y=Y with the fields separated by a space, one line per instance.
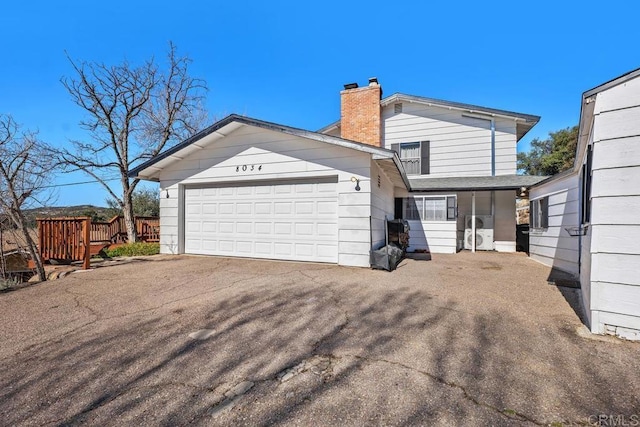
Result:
x=482 y=221
x=484 y=239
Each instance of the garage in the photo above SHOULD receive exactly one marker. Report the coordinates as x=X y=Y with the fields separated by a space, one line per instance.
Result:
x=249 y=188
x=288 y=220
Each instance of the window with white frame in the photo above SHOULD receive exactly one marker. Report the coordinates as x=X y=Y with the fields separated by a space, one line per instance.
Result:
x=430 y=208
x=539 y=213
x=410 y=157
x=414 y=156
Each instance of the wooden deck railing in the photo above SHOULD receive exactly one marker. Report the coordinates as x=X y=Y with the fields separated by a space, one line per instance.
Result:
x=65 y=238
x=115 y=230
x=72 y=238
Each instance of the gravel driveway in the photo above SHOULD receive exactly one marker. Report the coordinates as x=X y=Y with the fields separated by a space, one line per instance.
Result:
x=467 y=339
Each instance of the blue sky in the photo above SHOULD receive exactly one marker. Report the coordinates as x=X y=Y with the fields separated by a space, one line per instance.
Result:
x=286 y=61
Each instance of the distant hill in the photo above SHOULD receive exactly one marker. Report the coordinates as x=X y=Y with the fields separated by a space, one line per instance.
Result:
x=97 y=213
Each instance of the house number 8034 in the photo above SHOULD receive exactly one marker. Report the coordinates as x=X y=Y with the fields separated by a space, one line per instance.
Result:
x=249 y=168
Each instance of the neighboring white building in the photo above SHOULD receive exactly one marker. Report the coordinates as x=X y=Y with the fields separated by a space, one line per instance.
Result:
x=245 y=187
x=590 y=216
x=554 y=214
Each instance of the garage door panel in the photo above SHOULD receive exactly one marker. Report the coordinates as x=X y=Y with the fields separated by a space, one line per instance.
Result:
x=244 y=227
x=192 y=192
x=244 y=247
x=209 y=208
x=225 y=208
x=282 y=208
x=225 y=227
x=295 y=221
x=263 y=208
x=264 y=248
x=244 y=208
x=225 y=246
x=304 y=229
x=209 y=245
x=304 y=249
x=305 y=208
x=263 y=190
x=283 y=189
x=263 y=227
x=283 y=249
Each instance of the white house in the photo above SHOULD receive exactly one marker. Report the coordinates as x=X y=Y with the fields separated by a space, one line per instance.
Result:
x=245 y=187
x=588 y=218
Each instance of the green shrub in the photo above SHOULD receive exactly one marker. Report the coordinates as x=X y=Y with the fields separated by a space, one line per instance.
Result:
x=134 y=249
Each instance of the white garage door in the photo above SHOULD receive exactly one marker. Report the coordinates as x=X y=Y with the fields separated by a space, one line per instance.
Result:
x=289 y=220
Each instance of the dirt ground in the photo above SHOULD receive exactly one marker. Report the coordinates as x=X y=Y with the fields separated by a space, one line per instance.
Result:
x=466 y=339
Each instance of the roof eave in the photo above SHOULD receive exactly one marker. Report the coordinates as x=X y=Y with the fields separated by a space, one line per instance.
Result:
x=528 y=118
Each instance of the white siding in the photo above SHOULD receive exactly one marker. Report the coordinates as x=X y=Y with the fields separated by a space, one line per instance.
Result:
x=382 y=204
x=281 y=157
x=459 y=145
x=554 y=246
x=432 y=236
x=612 y=282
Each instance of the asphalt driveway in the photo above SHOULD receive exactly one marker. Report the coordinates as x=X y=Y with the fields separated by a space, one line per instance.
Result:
x=466 y=339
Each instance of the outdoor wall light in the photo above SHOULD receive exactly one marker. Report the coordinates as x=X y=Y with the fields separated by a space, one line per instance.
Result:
x=357 y=181
x=167 y=190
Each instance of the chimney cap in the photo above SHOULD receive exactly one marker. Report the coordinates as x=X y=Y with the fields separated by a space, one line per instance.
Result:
x=373 y=81
x=351 y=86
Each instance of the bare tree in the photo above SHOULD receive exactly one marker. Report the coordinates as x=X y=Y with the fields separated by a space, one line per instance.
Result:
x=133 y=113
x=25 y=172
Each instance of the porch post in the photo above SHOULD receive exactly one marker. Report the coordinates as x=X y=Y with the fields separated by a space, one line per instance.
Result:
x=473 y=221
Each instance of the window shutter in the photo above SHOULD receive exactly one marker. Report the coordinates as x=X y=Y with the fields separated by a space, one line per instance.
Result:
x=532 y=214
x=396 y=148
x=544 y=213
x=451 y=208
x=424 y=157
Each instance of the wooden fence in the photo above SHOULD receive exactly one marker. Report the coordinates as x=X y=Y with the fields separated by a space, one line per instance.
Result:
x=115 y=230
x=77 y=238
x=65 y=239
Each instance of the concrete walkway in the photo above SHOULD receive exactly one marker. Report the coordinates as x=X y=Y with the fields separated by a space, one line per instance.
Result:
x=467 y=339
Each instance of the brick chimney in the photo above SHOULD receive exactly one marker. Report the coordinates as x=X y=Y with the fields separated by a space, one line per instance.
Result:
x=360 y=114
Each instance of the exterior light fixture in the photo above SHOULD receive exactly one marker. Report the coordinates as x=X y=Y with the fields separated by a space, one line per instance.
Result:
x=167 y=190
x=357 y=181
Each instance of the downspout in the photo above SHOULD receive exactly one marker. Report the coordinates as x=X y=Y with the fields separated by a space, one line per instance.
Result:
x=493 y=173
x=493 y=147
x=473 y=221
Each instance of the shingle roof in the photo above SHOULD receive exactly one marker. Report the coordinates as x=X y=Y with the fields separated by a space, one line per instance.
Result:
x=475 y=183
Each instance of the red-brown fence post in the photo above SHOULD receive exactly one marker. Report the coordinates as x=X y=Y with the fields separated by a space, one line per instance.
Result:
x=86 y=233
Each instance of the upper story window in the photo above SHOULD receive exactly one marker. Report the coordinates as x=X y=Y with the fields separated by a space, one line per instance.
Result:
x=414 y=156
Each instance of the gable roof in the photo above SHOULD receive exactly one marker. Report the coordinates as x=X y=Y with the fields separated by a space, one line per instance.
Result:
x=232 y=122
x=524 y=122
